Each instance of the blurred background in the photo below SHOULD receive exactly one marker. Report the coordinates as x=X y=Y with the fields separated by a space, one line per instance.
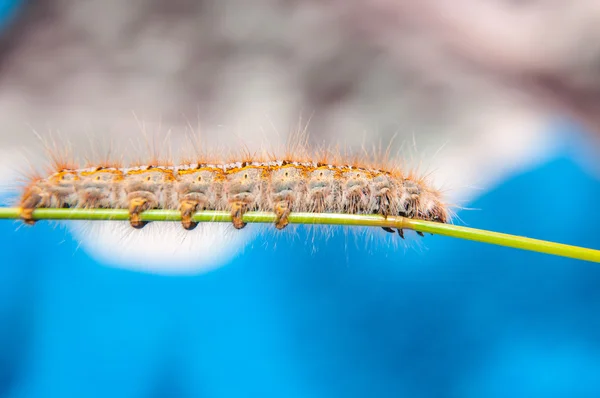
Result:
x=499 y=99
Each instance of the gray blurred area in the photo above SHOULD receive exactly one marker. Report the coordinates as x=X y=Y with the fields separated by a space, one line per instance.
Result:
x=468 y=84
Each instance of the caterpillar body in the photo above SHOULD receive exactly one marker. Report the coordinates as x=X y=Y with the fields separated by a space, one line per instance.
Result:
x=280 y=186
x=298 y=181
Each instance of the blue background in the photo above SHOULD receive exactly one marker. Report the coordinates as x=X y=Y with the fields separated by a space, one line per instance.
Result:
x=8 y=11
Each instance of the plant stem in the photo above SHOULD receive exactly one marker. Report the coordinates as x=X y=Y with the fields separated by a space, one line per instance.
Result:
x=455 y=231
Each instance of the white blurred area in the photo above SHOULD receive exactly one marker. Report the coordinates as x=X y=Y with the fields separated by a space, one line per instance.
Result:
x=468 y=86
x=163 y=248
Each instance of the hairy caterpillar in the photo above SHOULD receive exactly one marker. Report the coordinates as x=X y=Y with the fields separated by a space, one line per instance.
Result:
x=323 y=183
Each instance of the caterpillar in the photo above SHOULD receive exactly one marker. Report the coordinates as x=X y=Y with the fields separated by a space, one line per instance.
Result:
x=323 y=183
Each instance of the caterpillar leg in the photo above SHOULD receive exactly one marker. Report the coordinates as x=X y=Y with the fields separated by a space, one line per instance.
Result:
x=188 y=208
x=31 y=201
x=237 y=212
x=400 y=231
x=27 y=215
x=282 y=210
x=137 y=205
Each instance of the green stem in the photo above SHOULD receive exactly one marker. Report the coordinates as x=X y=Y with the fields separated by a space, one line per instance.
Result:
x=455 y=231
